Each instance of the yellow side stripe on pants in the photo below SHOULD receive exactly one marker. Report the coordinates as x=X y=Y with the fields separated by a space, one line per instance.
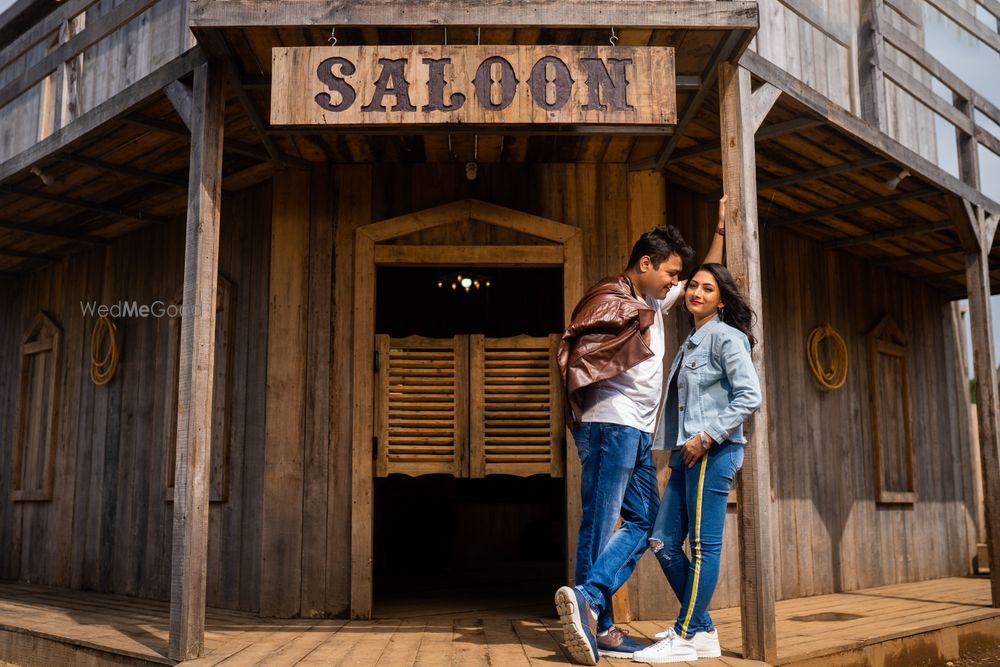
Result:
x=696 y=547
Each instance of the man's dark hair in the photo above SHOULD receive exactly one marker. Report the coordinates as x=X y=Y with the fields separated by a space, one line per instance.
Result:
x=660 y=243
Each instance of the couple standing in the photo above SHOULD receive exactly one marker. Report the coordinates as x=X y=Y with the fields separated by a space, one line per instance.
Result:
x=611 y=358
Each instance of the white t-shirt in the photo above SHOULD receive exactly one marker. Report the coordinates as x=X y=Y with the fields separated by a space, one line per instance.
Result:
x=632 y=398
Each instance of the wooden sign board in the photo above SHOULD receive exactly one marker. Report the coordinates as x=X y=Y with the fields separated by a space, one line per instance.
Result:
x=424 y=85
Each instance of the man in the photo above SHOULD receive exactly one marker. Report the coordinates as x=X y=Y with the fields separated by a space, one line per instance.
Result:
x=611 y=359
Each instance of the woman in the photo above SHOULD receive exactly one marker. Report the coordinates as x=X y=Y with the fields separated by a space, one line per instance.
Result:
x=712 y=389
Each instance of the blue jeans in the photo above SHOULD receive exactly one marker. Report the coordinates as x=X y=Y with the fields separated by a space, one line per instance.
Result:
x=694 y=506
x=617 y=478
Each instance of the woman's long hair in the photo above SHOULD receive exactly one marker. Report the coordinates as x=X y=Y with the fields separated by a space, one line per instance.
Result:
x=737 y=312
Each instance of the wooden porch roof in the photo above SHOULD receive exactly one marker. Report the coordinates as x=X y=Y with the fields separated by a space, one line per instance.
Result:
x=815 y=177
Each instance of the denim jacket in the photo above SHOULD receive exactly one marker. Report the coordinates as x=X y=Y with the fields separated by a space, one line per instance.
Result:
x=717 y=389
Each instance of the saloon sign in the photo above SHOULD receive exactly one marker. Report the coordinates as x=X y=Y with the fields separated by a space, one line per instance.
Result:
x=420 y=85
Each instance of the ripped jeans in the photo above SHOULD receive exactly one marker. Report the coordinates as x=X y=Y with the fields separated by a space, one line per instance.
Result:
x=694 y=507
x=617 y=479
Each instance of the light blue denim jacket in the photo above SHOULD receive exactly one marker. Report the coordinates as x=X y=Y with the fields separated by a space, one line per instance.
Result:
x=717 y=389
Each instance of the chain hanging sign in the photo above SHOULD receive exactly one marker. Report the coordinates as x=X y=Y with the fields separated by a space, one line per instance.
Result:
x=427 y=85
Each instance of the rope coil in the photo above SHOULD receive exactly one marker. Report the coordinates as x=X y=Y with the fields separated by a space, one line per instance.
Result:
x=103 y=368
x=834 y=378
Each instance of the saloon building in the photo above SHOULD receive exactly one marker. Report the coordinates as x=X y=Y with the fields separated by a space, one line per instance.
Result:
x=281 y=284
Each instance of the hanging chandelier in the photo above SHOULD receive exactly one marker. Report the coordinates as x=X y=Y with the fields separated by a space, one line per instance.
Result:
x=461 y=281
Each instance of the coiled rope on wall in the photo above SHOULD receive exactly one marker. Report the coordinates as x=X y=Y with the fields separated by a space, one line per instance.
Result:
x=836 y=376
x=103 y=368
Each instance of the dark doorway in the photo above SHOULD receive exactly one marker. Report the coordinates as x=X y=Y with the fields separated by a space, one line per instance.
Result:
x=446 y=545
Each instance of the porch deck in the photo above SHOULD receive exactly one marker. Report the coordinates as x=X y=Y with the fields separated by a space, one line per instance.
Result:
x=921 y=623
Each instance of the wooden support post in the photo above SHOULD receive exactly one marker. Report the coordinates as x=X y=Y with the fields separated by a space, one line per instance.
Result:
x=871 y=75
x=977 y=271
x=197 y=346
x=976 y=230
x=739 y=170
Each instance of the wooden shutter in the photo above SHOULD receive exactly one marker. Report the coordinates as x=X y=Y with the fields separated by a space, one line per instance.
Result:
x=421 y=405
x=516 y=416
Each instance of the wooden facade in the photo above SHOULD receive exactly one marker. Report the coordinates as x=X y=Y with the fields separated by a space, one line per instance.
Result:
x=278 y=407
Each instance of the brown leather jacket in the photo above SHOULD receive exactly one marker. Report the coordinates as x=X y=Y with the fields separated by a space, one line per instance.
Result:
x=604 y=339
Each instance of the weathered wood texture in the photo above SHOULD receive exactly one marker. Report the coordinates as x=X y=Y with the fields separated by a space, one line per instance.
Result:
x=819 y=42
x=196 y=370
x=108 y=526
x=377 y=85
x=111 y=524
x=63 y=74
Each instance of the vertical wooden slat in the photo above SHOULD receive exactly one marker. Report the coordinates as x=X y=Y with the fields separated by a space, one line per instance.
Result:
x=743 y=252
x=461 y=468
x=477 y=398
x=557 y=412
x=572 y=291
x=362 y=506
x=194 y=416
x=382 y=406
x=871 y=46
x=281 y=523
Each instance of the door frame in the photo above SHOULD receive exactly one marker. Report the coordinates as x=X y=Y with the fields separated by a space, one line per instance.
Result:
x=564 y=250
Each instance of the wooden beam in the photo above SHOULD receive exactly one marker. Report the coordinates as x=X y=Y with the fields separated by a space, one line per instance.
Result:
x=922 y=193
x=123 y=170
x=860 y=132
x=926 y=96
x=26 y=255
x=583 y=14
x=216 y=43
x=770 y=132
x=764 y=99
x=119 y=105
x=968 y=22
x=179 y=95
x=189 y=553
x=722 y=53
x=989 y=227
x=80 y=204
x=984 y=363
x=833 y=24
x=905 y=259
x=236 y=147
x=885 y=235
x=757 y=589
x=816 y=174
x=513 y=256
x=54 y=233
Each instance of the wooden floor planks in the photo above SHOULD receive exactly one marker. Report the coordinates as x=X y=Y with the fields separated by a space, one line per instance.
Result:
x=807 y=628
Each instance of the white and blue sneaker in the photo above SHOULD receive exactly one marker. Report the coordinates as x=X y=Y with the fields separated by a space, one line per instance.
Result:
x=672 y=648
x=705 y=643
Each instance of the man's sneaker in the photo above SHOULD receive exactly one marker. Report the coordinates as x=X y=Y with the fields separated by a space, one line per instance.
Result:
x=672 y=648
x=617 y=644
x=579 y=625
x=705 y=643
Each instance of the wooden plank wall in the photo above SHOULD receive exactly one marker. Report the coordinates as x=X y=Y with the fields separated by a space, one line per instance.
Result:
x=136 y=49
x=108 y=527
x=825 y=58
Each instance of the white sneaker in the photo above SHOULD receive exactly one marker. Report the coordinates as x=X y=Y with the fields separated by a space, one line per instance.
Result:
x=672 y=648
x=705 y=643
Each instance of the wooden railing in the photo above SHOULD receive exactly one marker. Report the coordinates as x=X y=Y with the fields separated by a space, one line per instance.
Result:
x=960 y=109
x=79 y=56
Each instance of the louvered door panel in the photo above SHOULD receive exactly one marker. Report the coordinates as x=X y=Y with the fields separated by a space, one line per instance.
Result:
x=516 y=408
x=422 y=406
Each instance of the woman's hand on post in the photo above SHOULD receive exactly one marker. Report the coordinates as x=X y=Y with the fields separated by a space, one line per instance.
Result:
x=720 y=228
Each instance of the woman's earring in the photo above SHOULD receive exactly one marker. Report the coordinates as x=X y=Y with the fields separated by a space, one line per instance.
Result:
x=721 y=311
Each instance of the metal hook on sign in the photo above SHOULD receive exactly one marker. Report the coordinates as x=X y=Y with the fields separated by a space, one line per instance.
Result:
x=614 y=37
x=333 y=36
